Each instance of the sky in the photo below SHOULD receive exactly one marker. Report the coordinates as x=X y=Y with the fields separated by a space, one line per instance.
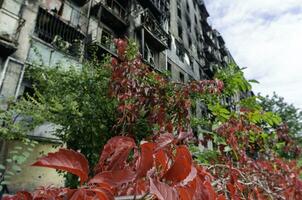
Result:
x=266 y=37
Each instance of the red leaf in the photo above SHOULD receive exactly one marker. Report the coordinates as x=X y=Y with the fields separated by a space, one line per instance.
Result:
x=231 y=188
x=210 y=189
x=162 y=191
x=145 y=160
x=221 y=197
x=142 y=186
x=103 y=194
x=19 y=196
x=49 y=193
x=115 y=153
x=114 y=178
x=187 y=192
x=66 y=160
x=80 y=195
x=161 y=160
x=164 y=140
x=201 y=192
x=192 y=175
x=181 y=168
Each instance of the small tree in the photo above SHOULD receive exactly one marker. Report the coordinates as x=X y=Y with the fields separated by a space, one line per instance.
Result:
x=290 y=115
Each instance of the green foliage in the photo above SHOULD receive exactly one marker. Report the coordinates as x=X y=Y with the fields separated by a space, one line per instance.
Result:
x=204 y=157
x=75 y=100
x=289 y=114
x=233 y=79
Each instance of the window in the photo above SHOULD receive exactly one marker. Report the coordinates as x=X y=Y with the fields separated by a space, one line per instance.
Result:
x=200 y=74
x=192 y=64
x=169 y=67
x=179 y=31
x=178 y=9
x=188 y=23
x=190 y=42
x=179 y=12
x=180 y=54
x=181 y=77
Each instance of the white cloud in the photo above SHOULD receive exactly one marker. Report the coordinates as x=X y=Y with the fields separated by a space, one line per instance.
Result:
x=266 y=37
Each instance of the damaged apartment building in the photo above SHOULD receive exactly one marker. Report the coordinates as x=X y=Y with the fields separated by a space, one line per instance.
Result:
x=172 y=35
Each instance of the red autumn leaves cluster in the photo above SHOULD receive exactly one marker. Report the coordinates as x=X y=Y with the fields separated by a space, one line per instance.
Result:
x=161 y=169
x=143 y=93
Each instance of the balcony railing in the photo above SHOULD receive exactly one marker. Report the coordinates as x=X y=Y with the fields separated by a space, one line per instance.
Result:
x=158 y=7
x=66 y=32
x=154 y=33
x=80 y=2
x=10 y=28
x=103 y=40
x=110 y=12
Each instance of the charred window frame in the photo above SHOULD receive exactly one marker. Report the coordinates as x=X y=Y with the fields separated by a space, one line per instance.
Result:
x=180 y=31
x=181 y=77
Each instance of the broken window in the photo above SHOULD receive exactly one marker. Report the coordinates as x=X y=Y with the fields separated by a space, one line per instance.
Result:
x=181 y=77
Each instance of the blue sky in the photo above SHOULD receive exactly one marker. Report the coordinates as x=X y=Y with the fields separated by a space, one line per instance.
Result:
x=266 y=37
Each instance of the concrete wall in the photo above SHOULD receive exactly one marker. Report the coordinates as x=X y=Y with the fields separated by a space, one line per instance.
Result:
x=33 y=177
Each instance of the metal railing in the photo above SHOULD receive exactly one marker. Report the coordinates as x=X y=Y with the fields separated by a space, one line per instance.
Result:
x=10 y=26
x=69 y=26
x=114 y=7
x=160 y=5
x=152 y=25
x=104 y=39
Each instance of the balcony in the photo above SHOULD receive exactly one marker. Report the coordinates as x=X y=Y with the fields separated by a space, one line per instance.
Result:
x=208 y=37
x=80 y=2
x=101 y=42
x=157 y=7
x=66 y=31
x=209 y=69
x=112 y=13
x=209 y=53
x=153 y=33
x=10 y=27
x=203 y=9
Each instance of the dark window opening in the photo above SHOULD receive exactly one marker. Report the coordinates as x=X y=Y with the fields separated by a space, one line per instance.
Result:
x=200 y=74
x=179 y=12
x=190 y=42
x=169 y=67
x=181 y=77
x=180 y=31
x=192 y=64
x=188 y=23
x=180 y=54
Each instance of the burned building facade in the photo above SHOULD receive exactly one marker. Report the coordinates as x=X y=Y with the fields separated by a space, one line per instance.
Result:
x=173 y=35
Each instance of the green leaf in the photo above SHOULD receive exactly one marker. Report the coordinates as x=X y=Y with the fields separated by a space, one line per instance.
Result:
x=227 y=149
x=14 y=152
x=2 y=167
x=18 y=148
x=10 y=173
x=5 y=183
x=254 y=81
x=26 y=154
x=16 y=168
